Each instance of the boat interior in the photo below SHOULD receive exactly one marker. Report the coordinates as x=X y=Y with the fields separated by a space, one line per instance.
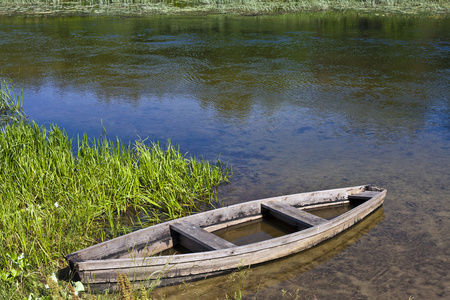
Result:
x=275 y=220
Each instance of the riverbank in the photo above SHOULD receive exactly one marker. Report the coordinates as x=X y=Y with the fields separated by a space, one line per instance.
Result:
x=59 y=196
x=246 y=7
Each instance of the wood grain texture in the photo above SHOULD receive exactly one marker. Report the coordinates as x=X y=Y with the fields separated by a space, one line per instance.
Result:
x=364 y=195
x=292 y=215
x=197 y=239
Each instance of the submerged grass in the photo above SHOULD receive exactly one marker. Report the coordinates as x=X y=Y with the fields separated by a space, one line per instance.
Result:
x=142 y=7
x=11 y=102
x=54 y=202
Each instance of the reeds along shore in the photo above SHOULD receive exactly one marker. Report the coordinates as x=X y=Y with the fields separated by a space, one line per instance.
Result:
x=142 y=7
x=306 y=2
x=55 y=201
x=11 y=104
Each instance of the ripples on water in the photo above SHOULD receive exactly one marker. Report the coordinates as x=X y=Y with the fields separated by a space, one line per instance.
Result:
x=293 y=102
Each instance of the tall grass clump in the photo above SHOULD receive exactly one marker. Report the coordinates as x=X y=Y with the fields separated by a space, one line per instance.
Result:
x=55 y=201
x=220 y=6
x=11 y=102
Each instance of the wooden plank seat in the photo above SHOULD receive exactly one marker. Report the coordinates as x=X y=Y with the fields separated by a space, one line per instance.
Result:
x=364 y=195
x=196 y=239
x=292 y=215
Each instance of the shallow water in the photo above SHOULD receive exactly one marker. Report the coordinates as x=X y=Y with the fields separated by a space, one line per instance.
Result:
x=293 y=103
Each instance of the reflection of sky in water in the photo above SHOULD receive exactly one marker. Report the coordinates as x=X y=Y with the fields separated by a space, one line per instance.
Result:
x=293 y=103
x=244 y=92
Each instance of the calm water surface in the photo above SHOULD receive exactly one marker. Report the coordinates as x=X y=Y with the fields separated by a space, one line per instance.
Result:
x=294 y=103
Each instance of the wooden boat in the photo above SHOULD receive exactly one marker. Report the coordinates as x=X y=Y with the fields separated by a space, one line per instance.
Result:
x=143 y=255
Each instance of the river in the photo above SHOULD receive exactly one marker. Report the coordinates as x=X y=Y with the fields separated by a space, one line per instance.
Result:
x=293 y=102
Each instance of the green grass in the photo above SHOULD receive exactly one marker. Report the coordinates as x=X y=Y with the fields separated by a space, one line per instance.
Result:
x=11 y=104
x=142 y=7
x=55 y=201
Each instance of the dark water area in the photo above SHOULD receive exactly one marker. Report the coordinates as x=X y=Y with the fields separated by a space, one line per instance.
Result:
x=294 y=103
x=255 y=231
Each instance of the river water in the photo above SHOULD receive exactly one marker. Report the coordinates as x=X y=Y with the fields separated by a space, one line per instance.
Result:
x=294 y=103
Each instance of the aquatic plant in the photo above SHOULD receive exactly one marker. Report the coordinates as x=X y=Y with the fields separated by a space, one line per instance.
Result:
x=47 y=190
x=11 y=102
x=217 y=6
x=57 y=199
x=125 y=286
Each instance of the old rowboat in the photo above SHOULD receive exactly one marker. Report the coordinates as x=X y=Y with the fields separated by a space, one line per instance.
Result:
x=145 y=257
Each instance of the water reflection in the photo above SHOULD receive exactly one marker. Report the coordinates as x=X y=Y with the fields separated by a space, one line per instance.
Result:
x=368 y=70
x=294 y=103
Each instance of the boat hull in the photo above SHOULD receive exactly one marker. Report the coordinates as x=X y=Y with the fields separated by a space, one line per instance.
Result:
x=131 y=254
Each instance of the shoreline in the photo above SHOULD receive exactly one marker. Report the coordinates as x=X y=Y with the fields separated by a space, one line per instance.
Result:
x=251 y=9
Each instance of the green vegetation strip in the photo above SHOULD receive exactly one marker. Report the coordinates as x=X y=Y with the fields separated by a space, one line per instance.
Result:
x=11 y=105
x=54 y=202
x=146 y=7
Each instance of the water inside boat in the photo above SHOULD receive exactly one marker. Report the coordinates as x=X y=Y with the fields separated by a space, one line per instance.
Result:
x=269 y=227
x=331 y=212
x=255 y=231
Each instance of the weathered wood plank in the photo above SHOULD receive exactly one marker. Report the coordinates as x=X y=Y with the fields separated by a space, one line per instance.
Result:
x=364 y=195
x=196 y=239
x=292 y=215
x=216 y=227
x=152 y=239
